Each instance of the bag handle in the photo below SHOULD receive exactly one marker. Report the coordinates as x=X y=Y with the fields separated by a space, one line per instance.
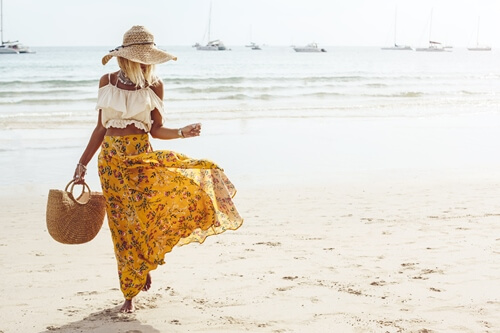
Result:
x=84 y=186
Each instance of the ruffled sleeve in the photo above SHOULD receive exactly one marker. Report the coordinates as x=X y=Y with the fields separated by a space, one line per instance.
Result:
x=128 y=102
x=157 y=103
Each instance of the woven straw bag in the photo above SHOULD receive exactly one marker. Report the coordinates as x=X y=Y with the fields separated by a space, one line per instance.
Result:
x=73 y=220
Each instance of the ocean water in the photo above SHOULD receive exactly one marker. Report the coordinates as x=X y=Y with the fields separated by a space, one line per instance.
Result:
x=47 y=99
x=61 y=83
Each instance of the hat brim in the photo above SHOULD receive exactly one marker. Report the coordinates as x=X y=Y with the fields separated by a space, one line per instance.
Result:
x=148 y=55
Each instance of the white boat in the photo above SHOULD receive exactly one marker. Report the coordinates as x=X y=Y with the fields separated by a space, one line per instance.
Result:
x=253 y=46
x=212 y=45
x=311 y=47
x=479 y=47
x=396 y=46
x=4 y=49
x=14 y=47
x=433 y=45
x=10 y=47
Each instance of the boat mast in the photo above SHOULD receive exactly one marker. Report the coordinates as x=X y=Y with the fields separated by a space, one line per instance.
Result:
x=477 y=35
x=430 y=26
x=209 y=20
x=395 y=24
x=1 y=20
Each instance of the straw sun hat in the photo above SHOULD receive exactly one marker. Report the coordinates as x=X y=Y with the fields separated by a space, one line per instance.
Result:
x=139 y=46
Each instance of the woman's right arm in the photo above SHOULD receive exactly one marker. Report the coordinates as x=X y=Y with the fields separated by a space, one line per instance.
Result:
x=93 y=145
x=89 y=152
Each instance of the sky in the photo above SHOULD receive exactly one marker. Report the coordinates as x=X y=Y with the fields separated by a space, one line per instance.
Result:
x=237 y=22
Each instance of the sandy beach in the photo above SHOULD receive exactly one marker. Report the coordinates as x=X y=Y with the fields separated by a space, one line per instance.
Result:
x=374 y=225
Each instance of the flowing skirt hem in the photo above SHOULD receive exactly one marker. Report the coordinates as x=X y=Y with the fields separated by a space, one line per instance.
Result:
x=157 y=200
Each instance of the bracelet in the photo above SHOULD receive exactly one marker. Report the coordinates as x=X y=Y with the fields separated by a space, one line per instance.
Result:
x=79 y=172
x=180 y=134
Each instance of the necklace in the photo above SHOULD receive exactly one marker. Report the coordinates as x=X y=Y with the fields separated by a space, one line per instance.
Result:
x=124 y=79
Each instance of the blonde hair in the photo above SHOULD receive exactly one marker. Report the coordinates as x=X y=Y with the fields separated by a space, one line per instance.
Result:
x=133 y=70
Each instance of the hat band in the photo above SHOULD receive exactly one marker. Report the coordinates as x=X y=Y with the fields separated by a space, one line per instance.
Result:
x=123 y=46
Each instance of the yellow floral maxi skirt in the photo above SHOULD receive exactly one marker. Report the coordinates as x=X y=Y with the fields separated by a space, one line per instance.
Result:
x=159 y=199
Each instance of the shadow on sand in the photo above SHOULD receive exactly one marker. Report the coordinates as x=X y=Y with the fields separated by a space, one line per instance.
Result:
x=109 y=320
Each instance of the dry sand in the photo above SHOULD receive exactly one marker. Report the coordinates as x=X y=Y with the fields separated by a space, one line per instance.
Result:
x=380 y=252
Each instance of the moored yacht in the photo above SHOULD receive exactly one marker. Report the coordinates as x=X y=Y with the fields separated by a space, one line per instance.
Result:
x=434 y=47
x=397 y=47
x=5 y=49
x=10 y=47
x=479 y=47
x=311 y=47
x=253 y=46
x=14 y=48
x=212 y=45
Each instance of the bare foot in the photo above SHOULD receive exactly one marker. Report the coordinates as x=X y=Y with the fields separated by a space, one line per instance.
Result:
x=147 y=285
x=128 y=306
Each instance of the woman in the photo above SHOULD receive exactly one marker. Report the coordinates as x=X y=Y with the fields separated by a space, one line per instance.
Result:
x=155 y=199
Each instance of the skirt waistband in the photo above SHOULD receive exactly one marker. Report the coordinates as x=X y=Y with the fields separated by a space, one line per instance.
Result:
x=131 y=144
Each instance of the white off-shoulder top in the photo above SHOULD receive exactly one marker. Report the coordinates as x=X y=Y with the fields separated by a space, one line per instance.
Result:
x=124 y=107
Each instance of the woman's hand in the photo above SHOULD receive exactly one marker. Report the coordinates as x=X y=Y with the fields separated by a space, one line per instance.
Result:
x=79 y=175
x=192 y=130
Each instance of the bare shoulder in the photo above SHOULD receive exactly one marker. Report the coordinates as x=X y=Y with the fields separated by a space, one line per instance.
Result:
x=158 y=88
x=105 y=79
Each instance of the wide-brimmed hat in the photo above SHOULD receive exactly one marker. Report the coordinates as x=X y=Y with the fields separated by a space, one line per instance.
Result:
x=139 y=46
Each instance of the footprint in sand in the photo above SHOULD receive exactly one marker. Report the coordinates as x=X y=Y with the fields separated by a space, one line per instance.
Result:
x=291 y=278
x=86 y=293
x=268 y=243
x=378 y=283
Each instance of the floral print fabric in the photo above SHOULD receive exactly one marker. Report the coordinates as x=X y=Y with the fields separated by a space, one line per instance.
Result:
x=157 y=200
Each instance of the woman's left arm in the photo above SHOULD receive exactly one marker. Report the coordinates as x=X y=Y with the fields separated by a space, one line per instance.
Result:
x=159 y=132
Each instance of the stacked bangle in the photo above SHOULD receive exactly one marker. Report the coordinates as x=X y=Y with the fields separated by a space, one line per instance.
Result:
x=82 y=166
x=79 y=172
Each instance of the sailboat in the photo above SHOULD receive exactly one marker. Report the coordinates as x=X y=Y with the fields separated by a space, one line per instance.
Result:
x=252 y=45
x=311 y=47
x=433 y=45
x=479 y=47
x=396 y=46
x=212 y=45
x=10 y=47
